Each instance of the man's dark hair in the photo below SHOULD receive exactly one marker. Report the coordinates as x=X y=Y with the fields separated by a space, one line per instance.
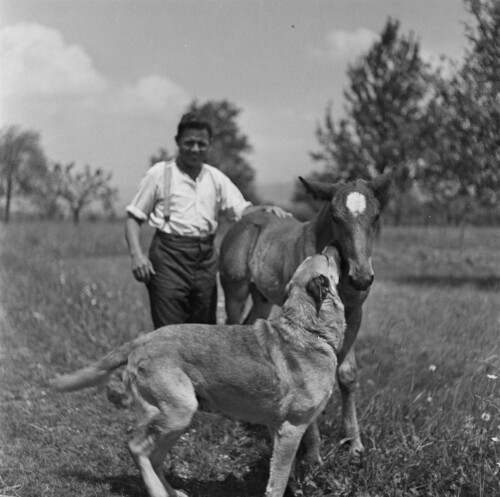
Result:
x=193 y=120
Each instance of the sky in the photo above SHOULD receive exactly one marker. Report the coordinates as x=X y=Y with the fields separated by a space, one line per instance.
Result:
x=105 y=82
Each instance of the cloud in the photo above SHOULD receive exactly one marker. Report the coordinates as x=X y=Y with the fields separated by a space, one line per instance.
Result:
x=345 y=45
x=37 y=61
x=439 y=62
x=154 y=94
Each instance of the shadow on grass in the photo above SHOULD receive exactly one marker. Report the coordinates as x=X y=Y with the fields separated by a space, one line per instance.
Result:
x=482 y=282
x=252 y=485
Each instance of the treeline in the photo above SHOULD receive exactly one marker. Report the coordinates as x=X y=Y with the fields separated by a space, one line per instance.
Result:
x=52 y=190
x=48 y=190
x=435 y=127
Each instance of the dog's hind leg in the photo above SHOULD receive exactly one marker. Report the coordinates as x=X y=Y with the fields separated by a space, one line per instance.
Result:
x=164 y=424
x=158 y=458
x=286 y=442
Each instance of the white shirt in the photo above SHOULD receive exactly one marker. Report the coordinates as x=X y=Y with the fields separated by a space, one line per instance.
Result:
x=195 y=205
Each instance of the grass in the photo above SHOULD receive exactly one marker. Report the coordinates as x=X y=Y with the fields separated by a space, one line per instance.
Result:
x=429 y=381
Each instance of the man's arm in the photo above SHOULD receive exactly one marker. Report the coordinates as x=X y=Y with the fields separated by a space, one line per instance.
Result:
x=142 y=268
x=274 y=209
x=234 y=203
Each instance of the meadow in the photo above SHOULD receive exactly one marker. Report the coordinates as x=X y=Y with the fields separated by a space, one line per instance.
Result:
x=429 y=382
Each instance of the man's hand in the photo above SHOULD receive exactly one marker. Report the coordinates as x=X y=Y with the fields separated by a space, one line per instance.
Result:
x=142 y=269
x=277 y=211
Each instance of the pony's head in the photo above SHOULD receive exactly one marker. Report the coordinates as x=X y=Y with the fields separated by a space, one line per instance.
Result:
x=354 y=209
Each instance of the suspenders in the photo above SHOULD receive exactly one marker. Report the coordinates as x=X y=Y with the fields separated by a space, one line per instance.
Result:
x=167 y=180
x=167 y=183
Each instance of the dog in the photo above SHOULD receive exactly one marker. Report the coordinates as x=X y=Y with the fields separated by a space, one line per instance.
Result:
x=279 y=373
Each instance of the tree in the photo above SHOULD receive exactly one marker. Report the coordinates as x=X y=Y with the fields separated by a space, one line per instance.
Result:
x=341 y=152
x=80 y=188
x=229 y=145
x=380 y=133
x=22 y=163
x=464 y=149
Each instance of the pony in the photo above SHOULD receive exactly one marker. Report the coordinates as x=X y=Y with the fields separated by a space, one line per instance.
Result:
x=260 y=253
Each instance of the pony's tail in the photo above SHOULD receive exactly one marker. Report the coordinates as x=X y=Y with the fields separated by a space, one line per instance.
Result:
x=97 y=373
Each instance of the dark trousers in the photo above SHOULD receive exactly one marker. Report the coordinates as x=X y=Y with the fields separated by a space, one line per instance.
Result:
x=184 y=288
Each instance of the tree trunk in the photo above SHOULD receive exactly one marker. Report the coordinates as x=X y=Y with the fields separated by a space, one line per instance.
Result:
x=8 y=196
x=76 y=216
x=398 y=215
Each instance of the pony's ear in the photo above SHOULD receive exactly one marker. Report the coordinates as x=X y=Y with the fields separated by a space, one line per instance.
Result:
x=320 y=191
x=318 y=288
x=381 y=187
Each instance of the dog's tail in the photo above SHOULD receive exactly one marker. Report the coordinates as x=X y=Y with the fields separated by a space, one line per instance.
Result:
x=97 y=373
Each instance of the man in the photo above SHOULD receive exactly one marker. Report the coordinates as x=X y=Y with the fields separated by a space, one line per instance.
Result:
x=183 y=200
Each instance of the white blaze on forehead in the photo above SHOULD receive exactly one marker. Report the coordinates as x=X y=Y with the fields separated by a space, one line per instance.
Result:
x=356 y=203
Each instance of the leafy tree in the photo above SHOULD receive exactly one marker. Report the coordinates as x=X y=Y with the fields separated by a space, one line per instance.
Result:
x=46 y=197
x=22 y=163
x=341 y=151
x=385 y=105
x=464 y=148
x=229 y=145
x=81 y=188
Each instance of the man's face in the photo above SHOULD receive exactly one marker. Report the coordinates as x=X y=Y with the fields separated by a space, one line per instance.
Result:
x=193 y=147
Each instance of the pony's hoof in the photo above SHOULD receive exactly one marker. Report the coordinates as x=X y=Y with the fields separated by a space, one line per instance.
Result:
x=180 y=493
x=312 y=459
x=290 y=490
x=356 y=452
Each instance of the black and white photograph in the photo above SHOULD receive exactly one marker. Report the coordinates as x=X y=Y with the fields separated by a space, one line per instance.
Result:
x=249 y=248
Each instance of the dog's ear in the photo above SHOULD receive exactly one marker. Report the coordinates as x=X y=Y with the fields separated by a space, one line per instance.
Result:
x=318 y=288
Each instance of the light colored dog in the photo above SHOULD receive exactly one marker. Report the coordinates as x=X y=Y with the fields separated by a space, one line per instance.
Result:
x=279 y=373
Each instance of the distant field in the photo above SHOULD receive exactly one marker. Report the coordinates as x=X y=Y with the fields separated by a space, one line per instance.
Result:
x=429 y=357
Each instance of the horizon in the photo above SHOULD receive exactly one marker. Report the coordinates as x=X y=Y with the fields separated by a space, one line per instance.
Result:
x=105 y=82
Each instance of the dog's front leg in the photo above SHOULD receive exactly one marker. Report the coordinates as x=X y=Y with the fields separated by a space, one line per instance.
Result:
x=286 y=441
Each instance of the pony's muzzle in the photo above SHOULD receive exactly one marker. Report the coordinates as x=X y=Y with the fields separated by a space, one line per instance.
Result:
x=361 y=283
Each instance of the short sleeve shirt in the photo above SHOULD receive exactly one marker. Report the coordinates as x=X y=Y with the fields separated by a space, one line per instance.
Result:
x=195 y=205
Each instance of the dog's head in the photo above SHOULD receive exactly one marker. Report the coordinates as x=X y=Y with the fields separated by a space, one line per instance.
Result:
x=315 y=281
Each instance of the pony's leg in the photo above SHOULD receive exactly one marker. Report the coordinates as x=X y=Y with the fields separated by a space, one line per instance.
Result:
x=347 y=378
x=236 y=295
x=261 y=307
x=285 y=443
x=310 y=445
